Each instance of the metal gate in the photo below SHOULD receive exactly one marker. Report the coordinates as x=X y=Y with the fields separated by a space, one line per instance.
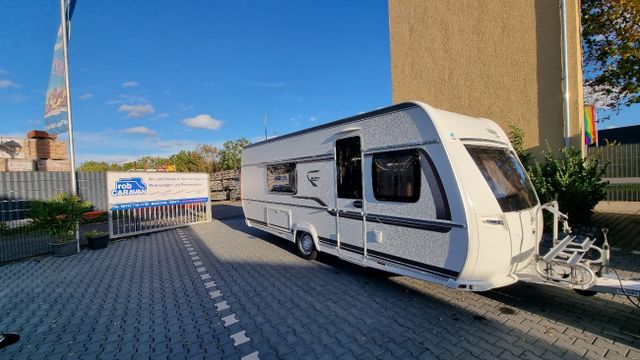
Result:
x=146 y=202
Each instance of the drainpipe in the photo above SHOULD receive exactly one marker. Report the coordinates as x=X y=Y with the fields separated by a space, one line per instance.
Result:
x=565 y=73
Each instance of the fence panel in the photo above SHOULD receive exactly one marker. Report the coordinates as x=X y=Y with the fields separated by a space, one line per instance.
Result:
x=622 y=172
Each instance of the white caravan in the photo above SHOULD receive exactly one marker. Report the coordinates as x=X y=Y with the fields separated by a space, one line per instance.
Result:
x=415 y=191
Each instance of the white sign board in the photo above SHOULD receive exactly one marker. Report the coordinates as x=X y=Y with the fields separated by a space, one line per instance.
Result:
x=131 y=190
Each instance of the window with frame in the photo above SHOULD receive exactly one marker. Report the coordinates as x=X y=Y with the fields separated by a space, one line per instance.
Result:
x=281 y=178
x=396 y=176
x=349 y=168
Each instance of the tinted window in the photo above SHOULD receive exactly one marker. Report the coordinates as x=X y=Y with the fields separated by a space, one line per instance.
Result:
x=281 y=178
x=505 y=176
x=396 y=176
x=349 y=168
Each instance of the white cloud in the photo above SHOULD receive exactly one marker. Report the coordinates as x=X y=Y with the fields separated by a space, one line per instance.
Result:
x=270 y=84
x=7 y=84
x=85 y=96
x=203 y=122
x=128 y=99
x=142 y=130
x=130 y=84
x=136 y=111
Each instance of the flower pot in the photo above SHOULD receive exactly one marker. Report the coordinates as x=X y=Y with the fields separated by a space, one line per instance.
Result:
x=98 y=242
x=64 y=249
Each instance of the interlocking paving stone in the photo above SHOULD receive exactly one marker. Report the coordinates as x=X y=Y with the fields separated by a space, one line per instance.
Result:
x=143 y=298
x=222 y=306
x=239 y=338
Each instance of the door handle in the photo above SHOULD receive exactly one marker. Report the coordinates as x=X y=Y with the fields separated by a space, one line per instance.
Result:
x=357 y=204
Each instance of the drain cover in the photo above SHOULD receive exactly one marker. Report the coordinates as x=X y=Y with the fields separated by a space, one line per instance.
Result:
x=7 y=339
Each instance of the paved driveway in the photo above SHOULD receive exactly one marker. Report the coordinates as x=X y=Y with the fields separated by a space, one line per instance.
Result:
x=221 y=290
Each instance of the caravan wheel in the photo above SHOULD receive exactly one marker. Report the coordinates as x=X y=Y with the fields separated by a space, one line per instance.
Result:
x=306 y=247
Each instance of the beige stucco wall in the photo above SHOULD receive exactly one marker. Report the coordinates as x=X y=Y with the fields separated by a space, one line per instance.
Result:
x=499 y=59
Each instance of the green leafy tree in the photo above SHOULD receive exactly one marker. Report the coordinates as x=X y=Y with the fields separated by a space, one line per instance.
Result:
x=189 y=161
x=231 y=154
x=99 y=166
x=611 y=43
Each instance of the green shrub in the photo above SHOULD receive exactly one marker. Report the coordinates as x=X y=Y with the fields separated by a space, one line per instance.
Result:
x=575 y=182
x=95 y=234
x=58 y=217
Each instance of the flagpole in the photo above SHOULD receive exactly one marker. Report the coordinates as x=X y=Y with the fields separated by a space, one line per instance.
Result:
x=65 y=32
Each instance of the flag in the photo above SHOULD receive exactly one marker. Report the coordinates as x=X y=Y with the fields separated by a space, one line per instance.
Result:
x=55 y=105
x=590 y=132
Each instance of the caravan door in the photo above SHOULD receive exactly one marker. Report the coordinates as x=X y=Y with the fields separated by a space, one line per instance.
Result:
x=348 y=193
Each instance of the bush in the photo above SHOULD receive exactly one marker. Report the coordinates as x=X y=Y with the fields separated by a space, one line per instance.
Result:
x=575 y=182
x=58 y=217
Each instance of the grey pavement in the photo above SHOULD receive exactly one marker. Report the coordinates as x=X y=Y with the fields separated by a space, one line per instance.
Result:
x=222 y=290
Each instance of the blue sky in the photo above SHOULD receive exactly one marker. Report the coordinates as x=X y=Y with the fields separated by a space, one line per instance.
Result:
x=155 y=77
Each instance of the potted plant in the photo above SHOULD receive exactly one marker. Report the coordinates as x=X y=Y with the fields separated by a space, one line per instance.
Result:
x=97 y=239
x=59 y=218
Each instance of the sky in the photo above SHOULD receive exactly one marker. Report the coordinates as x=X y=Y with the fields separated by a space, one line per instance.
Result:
x=157 y=77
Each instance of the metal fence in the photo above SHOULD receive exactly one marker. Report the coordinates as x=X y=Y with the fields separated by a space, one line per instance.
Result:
x=18 y=243
x=622 y=171
x=129 y=222
x=623 y=160
x=17 y=189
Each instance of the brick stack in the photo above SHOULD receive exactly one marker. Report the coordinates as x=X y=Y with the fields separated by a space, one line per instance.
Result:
x=39 y=151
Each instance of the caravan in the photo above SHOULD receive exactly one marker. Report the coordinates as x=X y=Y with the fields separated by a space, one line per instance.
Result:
x=412 y=190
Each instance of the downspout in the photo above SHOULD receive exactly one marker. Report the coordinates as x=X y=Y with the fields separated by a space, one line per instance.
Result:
x=565 y=73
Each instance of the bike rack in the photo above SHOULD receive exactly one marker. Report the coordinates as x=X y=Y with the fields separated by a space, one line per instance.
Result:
x=575 y=262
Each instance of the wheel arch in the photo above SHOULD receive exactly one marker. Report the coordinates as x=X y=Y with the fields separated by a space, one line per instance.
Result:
x=308 y=228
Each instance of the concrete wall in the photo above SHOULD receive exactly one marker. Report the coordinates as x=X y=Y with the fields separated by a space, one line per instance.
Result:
x=499 y=59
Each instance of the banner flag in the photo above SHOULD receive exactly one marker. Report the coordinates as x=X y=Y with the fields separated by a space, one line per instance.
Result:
x=55 y=106
x=590 y=131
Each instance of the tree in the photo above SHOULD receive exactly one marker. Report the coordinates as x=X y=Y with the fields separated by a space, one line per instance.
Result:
x=189 y=161
x=99 y=166
x=209 y=155
x=611 y=43
x=230 y=155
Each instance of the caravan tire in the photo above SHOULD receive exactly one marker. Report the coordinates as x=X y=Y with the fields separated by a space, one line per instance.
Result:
x=306 y=247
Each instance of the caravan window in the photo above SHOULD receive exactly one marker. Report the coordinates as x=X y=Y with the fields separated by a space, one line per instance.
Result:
x=396 y=176
x=281 y=178
x=505 y=176
x=349 y=168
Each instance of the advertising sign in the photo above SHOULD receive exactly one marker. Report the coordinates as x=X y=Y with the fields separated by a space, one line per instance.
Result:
x=55 y=107
x=131 y=190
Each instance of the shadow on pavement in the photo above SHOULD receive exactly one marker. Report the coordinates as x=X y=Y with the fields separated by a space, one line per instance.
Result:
x=340 y=299
x=598 y=315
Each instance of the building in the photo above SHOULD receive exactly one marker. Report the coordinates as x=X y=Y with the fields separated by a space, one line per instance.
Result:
x=499 y=59
x=622 y=135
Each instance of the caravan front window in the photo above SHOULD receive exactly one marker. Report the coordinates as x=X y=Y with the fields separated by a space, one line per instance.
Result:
x=281 y=178
x=505 y=176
